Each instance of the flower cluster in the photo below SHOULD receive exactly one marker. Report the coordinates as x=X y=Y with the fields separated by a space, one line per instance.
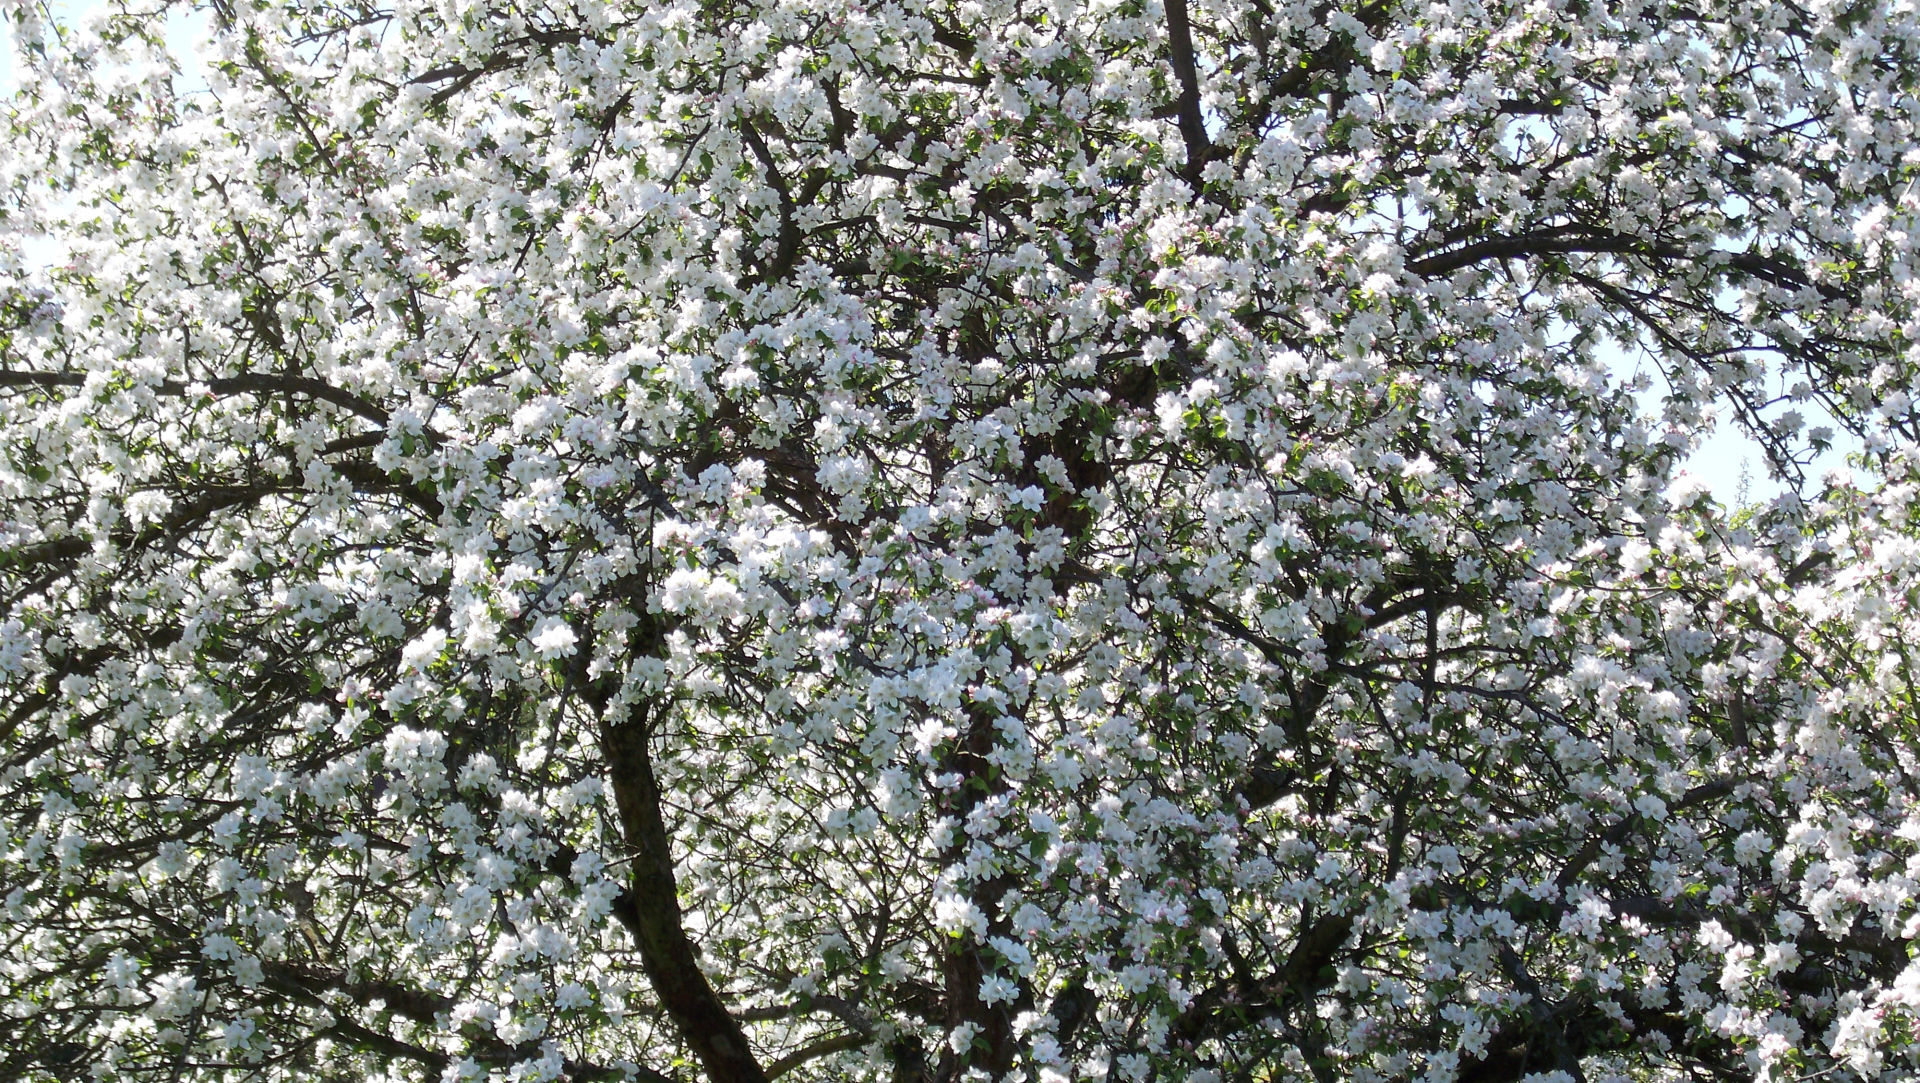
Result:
x=960 y=540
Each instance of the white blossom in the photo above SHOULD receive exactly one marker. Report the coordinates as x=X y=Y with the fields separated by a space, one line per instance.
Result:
x=958 y=540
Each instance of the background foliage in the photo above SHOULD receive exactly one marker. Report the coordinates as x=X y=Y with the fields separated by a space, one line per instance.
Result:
x=947 y=541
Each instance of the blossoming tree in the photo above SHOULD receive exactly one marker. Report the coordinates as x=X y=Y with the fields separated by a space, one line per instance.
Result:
x=938 y=541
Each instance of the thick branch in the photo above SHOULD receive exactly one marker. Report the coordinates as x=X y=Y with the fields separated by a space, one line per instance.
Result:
x=665 y=952
x=823 y=1047
x=787 y=244
x=1193 y=126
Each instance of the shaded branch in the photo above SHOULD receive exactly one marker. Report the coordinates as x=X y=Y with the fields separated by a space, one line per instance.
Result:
x=1193 y=125
x=248 y=384
x=822 y=1048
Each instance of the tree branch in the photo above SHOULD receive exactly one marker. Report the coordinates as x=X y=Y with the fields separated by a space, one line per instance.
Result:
x=665 y=952
x=823 y=1047
x=251 y=383
x=1193 y=125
